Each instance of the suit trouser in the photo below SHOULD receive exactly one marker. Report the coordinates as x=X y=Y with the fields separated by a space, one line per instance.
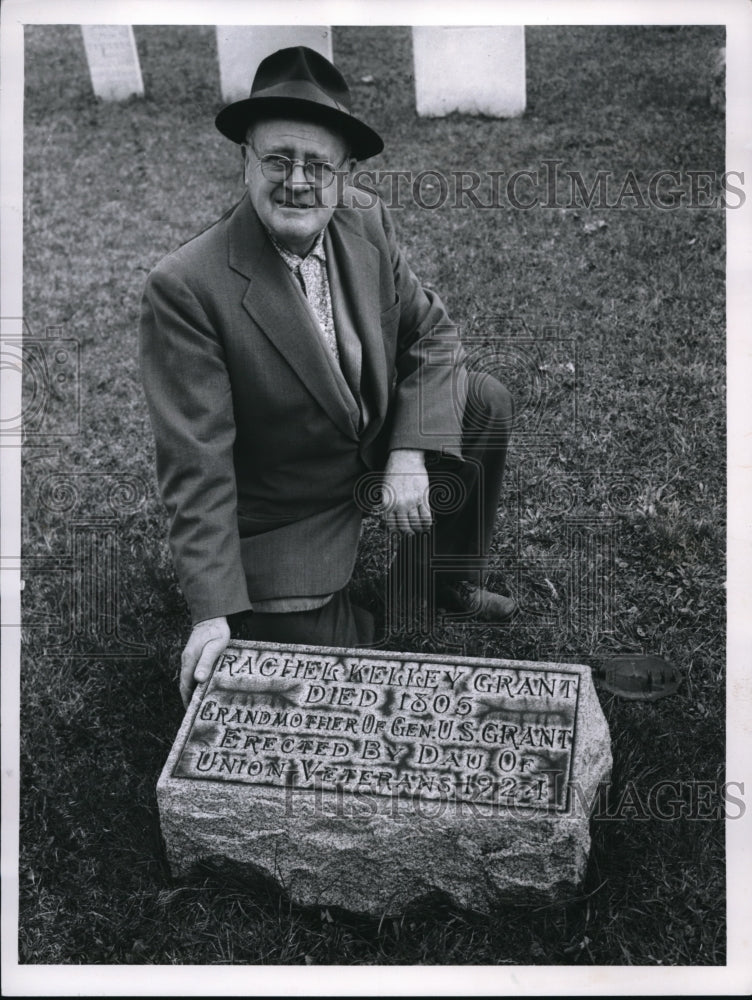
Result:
x=465 y=494
x=464 y=499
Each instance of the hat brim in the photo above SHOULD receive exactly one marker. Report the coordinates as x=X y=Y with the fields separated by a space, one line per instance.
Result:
x=233 y=121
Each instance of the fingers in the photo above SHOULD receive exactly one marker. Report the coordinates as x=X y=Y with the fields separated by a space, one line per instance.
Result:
x=418 y=517
x=187 y=685
x=213 y=648
x=206 y=642
x=398 y=519
x=423 y=513
x=406 y=500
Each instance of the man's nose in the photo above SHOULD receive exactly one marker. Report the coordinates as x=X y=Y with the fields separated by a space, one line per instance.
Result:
x=297 y=176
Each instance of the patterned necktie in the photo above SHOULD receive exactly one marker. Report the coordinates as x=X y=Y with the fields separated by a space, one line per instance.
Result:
x=314 y=287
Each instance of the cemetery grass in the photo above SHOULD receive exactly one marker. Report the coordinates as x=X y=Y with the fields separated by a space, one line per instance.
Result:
x=621 y=425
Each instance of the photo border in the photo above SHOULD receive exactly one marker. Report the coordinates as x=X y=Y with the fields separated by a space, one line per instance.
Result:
x=217 y=980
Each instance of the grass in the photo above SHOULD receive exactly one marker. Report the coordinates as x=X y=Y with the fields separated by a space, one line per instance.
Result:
x=611 y=337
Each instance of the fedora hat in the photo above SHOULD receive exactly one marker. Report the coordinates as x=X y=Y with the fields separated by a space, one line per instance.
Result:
x=300 y=83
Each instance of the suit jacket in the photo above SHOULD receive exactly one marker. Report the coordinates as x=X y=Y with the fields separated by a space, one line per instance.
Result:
x=258 y=442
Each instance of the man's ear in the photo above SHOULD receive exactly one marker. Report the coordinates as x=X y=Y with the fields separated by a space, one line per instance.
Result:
x=244 y=160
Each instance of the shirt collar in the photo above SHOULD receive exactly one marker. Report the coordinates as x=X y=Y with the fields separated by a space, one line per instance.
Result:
x=294 y=261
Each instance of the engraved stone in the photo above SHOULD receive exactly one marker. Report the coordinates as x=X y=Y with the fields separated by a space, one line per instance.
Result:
x=473 y=70
x=366 y=779
x=113 y=61
x=240 y=49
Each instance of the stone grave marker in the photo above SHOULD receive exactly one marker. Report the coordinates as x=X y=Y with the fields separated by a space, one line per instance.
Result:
x=366 y=780
x=240 y=49
x=473 y=70
x=113 y=61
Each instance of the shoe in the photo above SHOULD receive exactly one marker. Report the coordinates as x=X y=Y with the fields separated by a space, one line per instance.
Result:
x=482 y=604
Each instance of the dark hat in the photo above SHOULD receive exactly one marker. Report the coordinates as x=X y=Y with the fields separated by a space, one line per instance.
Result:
x=300 y=83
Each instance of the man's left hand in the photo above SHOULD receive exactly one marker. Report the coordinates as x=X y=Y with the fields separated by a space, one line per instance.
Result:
x=405 y=492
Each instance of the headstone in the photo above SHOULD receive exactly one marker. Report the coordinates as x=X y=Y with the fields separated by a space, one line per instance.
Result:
x=367 y=780
x=472 y=70
x=240 y=49
x=113 y=61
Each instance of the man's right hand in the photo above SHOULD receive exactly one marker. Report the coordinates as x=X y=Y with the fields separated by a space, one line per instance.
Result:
x=207 y=640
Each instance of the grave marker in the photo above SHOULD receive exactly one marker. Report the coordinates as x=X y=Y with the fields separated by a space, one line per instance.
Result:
x=113 y=61
x=472 y=70
x=240 y=49
x=368 y=779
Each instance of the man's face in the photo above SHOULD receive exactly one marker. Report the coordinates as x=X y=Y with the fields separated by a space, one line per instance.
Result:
x=294 y=210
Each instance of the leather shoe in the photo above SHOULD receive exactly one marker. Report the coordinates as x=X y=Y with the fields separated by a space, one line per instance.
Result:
x=466 y=597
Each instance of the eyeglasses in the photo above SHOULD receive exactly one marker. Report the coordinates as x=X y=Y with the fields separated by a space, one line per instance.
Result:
x=278 y=168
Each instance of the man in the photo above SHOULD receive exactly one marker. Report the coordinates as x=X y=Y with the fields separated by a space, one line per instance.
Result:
x=289 y=354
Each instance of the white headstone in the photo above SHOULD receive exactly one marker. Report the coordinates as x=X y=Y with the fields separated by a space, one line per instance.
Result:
x=241 y=49
x=473 y=70
x=113 y=61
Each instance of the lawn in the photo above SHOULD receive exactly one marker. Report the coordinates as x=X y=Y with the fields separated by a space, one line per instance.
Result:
x=607 y=322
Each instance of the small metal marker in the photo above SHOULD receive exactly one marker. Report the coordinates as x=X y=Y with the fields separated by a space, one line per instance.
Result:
x=639 y=677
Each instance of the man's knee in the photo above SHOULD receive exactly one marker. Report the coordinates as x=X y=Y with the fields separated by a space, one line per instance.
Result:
x=488 y=403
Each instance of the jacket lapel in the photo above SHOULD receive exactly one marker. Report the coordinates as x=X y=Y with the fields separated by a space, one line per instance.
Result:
x=354 y=281
x=278 y=307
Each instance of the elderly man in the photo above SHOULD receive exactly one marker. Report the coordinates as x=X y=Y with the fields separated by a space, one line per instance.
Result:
x=289 y=354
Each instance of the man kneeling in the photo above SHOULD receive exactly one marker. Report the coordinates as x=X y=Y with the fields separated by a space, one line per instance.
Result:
x=288 y=352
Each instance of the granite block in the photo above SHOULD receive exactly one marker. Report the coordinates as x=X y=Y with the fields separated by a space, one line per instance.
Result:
x=369 y=779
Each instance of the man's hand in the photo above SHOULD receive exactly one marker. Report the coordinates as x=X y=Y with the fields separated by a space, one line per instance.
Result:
x=405 y=492
x=207 y=640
